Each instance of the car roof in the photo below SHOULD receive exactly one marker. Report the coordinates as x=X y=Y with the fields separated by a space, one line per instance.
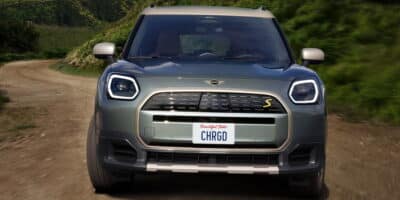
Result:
x=208 y=10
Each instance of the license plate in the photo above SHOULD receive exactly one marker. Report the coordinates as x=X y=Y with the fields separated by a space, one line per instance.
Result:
x=213 y=133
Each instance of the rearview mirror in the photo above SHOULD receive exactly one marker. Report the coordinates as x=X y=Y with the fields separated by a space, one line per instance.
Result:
x=105 y=50
x=312 y=56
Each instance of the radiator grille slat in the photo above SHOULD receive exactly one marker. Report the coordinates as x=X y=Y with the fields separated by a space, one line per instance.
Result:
x=214 y=102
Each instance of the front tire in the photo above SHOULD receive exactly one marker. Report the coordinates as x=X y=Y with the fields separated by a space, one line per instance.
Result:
x=308 y=185
x=101 y=179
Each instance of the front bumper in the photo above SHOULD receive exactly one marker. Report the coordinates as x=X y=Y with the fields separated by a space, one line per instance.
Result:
x=299 y=143
x=303 y=153
x=307 y=165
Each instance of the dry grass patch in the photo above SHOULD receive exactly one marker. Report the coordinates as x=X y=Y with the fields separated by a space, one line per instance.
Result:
x=16 y=123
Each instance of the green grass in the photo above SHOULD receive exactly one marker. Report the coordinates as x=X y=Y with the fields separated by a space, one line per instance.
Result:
x=366 y=84
x=69 y=69
x=54 y=12
x=15 y=132
x=62 y=39
x=16 y=122
x=7 y=57
x=21 y=127
x=54 y=42
x=65 y=12
x=62 y=25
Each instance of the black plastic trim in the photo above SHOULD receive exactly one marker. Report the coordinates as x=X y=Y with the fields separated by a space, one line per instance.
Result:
x=236 y=120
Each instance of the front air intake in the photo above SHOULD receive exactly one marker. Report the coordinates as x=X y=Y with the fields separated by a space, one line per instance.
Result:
x=122 y=151
x=301 y=155
x=196 y=158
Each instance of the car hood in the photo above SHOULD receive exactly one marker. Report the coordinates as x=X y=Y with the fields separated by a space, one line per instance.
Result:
x=242 y=70
x=154 y=76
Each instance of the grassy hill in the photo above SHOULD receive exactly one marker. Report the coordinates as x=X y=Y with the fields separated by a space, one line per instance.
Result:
x=54 y=27
x=361 y=40
x=82 y=57
x=65 y=12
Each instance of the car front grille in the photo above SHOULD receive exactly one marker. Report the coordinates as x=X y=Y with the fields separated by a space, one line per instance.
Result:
x=193 y=158
x=214 y=102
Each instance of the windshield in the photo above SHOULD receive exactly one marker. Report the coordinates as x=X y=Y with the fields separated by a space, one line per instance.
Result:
x=209 y=37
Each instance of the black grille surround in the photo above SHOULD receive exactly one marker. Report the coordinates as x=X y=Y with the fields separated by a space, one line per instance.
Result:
x=236 y=120
x=214 y=102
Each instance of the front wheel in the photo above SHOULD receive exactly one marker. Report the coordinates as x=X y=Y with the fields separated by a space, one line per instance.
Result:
x=308 y=185
x=102 y=180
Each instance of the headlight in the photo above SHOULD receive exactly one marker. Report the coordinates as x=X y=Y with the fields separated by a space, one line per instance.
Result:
x=122 y=87
x=304 y=92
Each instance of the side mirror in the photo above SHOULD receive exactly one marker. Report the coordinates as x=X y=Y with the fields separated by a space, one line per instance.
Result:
x=312 y=56
x=105 y=50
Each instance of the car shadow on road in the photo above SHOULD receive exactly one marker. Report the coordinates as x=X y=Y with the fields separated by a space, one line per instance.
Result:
x=207 y=186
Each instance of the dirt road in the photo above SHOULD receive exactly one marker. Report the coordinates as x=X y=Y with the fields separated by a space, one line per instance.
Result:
x=42 y=151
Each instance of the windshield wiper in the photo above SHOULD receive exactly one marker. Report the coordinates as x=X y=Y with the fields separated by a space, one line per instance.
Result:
x=148 y=57
x=244 y=57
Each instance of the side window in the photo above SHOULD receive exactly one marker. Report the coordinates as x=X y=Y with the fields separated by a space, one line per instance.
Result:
x=195 y=44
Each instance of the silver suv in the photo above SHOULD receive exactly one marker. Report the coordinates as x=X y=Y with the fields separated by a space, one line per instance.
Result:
x=208 y=89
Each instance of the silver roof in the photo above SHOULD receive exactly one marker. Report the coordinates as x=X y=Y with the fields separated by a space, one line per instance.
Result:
x=208 y=10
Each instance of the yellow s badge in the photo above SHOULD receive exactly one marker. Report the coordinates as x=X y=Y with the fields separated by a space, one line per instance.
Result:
x=268 y=103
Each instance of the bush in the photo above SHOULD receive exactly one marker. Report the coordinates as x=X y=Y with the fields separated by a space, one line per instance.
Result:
x=65 y=12
x=57 y=41
x=56 y=12
x=17 y=36
x=7 y=57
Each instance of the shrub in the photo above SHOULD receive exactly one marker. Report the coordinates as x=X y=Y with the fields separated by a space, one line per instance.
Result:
x=17 y=36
